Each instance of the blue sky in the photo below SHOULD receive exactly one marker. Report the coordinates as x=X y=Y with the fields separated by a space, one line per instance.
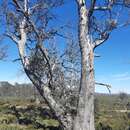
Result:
x=113 y=67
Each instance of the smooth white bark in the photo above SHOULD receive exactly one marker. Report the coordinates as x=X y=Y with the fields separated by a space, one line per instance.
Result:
x=85 y=112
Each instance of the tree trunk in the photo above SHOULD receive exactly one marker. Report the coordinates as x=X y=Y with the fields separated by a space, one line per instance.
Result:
x=85 y=112
x=64 y=119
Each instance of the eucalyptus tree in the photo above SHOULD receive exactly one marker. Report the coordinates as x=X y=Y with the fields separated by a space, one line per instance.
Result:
x=29 y=25
x=55 y=75
x=97 y=19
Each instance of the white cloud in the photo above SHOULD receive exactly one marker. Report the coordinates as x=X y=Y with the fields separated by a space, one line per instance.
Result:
x=121 y=76
x=119 y=82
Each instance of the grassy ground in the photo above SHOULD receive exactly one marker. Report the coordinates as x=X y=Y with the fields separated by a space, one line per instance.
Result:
x=17 y=114
x=111 y=113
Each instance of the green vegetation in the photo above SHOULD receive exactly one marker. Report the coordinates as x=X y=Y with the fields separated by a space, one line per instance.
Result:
x=112 y=112
x=15 y=127
x=23 y=114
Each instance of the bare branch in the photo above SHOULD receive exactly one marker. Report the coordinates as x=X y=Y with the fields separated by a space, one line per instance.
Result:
x=92 y=7
x=98 y=42
x=17 y=4
x=12 y=37
x=106 y=85
x=97 y=55
x=16 y=60
x=104 y=8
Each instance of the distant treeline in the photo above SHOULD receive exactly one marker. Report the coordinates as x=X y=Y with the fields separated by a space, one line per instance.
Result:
x=17 y=90
x=27 y=90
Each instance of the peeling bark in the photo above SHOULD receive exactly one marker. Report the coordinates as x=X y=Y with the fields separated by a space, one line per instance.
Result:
x=57 y=109
x=85 y=112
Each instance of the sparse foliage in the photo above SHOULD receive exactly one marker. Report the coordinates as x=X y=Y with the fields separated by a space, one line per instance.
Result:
x=3 y=53
x=3 y=50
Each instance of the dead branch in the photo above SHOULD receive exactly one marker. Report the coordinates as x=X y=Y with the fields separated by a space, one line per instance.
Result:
x=106 y=85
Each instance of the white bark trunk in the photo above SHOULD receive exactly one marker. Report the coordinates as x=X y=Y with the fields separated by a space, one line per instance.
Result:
x=57 y=109
x=85 y=112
